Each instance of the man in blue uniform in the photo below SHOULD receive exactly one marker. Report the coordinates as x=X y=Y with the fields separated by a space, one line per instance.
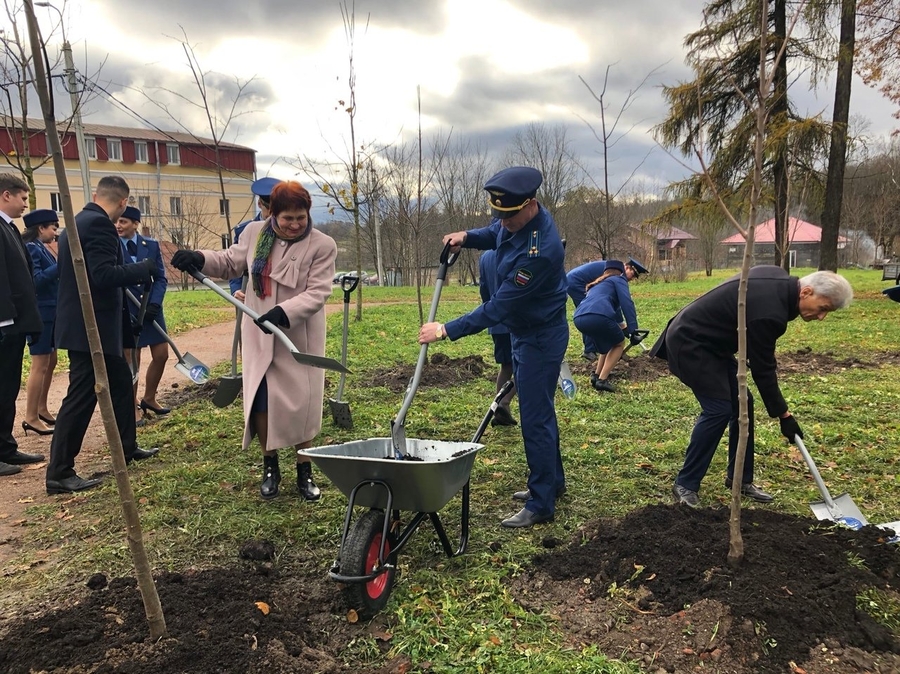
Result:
x=578 y=278
x=262 y=188
x=530 y=300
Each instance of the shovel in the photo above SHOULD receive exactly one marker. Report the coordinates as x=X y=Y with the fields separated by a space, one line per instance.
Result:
x=643 y=335
x=842 y=509
x=398 y=430
x=567 y=381
x=230 y=385
x=300 y=357
x=188 y=365
x=340 y=411
x=142 y=312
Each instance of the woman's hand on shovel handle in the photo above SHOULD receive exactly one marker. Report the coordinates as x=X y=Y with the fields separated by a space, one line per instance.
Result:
x=431 y=332
x=456 y=240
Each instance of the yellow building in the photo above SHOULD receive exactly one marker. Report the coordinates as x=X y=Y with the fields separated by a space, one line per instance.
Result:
x=173 y=177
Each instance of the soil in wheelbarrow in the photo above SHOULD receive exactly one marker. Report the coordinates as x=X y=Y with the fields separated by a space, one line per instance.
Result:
x=255 y=618
x=655 y=587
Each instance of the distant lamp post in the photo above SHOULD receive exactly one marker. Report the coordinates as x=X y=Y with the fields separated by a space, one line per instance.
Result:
x=72 y=86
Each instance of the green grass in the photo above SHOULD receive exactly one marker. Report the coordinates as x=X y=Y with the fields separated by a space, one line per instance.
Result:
x=200 y=501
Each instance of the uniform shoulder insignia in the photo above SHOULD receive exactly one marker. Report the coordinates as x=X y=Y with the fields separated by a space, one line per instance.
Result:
x=523 y=276
x=534 y=245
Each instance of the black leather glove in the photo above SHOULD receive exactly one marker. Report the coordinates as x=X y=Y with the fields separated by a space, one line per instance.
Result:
x=790 y=428
x=188 y=260
x=275 y=316
x=635 y=338
x=150 y=266
x=135 y=329
x=152 y=312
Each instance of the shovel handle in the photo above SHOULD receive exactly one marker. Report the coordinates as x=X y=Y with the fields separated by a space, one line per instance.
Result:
x=348 y=285
x=820 y=483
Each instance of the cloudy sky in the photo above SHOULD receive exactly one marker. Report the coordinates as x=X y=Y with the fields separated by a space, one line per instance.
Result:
x=485 y=68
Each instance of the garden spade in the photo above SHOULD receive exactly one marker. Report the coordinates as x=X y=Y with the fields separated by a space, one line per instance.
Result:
x=842 y=509
x=641 y=335
x=230 y=385
x=567 y=381
x=188 y=365
x=302 y=358
x=340 y=411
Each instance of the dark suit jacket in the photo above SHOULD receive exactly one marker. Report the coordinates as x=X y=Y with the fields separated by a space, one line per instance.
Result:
x=108 y=276
x=46 y=278
x=701 y=340
x=17 y=296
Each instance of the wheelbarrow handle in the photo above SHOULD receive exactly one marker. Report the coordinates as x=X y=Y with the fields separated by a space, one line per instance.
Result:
x=299 y=356
x=501 y=394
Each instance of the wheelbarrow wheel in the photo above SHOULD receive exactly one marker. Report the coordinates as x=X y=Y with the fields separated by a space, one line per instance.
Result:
x=360 y=558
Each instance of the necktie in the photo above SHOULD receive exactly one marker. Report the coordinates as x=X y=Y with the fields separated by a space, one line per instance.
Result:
x=131 y=246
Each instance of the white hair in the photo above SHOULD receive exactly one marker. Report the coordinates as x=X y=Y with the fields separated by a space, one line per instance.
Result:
x=828 y=284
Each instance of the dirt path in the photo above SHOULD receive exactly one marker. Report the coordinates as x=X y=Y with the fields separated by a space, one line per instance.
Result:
x=212 y=345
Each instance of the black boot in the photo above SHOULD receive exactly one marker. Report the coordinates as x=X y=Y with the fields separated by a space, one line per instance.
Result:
x=308 y=489
x=271 y=477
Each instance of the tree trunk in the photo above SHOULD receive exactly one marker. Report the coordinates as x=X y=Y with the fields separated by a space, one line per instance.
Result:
x=152 y=606
x=837 y=156
x=780 y=166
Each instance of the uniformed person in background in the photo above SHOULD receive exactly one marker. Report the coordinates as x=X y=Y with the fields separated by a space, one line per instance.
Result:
x=530 y=300
x=487 y=286
x=262 y=188
x=576 y=286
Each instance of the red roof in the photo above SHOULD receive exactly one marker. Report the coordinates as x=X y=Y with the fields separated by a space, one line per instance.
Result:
x=799 y=231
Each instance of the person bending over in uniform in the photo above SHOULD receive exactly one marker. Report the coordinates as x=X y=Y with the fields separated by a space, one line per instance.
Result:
x=530 y=300
x=487 y=286
x=576 y=287
x=699 y=344
x=262 y=190
x=600 y=317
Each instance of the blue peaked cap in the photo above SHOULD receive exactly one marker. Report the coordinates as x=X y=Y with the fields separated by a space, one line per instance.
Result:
x=263 y=187
x=511 y=189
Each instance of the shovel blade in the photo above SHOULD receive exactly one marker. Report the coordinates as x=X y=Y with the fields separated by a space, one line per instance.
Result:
x=228 y=390
x=845 y=512
x=340 y=412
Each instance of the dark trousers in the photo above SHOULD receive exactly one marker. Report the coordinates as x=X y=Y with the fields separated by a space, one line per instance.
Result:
x=78 y=407
x=12 y=348
x=716 y=415
x=536 y=360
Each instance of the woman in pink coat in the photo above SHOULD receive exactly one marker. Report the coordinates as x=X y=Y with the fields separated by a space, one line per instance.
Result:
x=291 y=266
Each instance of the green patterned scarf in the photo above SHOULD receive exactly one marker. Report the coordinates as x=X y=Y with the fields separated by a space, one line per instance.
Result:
x=262 y=267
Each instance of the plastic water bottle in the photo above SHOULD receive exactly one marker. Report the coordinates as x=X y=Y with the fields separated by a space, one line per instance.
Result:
x=199 y=374
x=568 y=387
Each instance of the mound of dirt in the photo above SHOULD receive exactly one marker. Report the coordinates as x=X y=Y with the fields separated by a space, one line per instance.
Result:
x=656 y=587
x=440 y=372
x=219 y=620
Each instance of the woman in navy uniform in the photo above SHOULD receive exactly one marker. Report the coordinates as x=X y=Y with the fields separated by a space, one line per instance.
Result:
x=530 y=300
x=137 y=249
x=606 y=308
x=40 y=229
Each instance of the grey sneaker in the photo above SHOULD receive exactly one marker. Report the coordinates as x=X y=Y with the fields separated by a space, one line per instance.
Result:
x=685 y=496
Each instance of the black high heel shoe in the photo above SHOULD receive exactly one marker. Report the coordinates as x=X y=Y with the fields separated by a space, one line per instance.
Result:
x=46 y=420
x=145 y=406
x=28 y=427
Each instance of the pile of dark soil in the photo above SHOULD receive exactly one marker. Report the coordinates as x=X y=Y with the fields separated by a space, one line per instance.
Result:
x=219 y=620
x=440 y=372
x=656 y=587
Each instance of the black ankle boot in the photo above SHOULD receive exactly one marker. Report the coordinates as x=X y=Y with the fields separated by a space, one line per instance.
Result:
x=271 y=477
x=308 y=489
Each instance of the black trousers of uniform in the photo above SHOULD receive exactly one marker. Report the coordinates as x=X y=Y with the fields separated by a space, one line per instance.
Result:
x=78 y=407
x=12 y=349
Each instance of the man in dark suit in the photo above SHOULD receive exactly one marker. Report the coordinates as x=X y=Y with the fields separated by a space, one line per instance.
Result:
x=108 y=276
x=699 y=344
x=19 y=317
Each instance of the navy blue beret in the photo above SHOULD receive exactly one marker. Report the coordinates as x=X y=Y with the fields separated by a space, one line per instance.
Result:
x=638 y=267
x=511 y=189
x=41 y=216
x=132 y=213
x=263 y=187
x=615 y=264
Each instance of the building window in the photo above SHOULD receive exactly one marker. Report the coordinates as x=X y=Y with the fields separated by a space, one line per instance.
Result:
x=90 y=147
x=223 y=207
x=114 y=149
x=175 y=205
x=173 y=154
x=144 y=205
x=140 y=152
x=56 y=202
